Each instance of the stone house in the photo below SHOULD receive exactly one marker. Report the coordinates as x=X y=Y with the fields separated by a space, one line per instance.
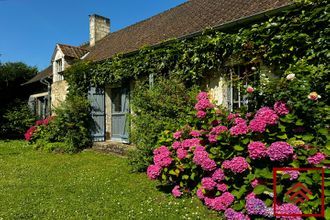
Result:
x=111 y=104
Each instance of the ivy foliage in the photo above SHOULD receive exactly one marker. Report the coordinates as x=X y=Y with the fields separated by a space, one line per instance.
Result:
x=293 y=41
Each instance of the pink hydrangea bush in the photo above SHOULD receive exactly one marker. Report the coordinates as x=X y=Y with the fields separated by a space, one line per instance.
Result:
x=34 y=129
x=226 y=160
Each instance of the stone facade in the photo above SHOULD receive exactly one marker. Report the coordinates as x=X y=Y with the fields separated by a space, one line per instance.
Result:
x=59 y=92
x=99 y=27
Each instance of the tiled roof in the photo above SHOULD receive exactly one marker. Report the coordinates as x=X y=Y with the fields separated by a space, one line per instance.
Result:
x=72 y=51
x=187 y=18
x=41 y=75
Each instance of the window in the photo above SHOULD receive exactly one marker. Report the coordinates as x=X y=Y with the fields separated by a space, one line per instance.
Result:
x=240 y=77
x=59 y=69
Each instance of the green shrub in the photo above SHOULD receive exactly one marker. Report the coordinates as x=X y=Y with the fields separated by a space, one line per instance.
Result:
x=68 y=131
x=17 y=119
x=164 y=106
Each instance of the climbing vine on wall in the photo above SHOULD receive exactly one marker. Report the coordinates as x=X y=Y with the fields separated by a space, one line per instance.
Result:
x=295 y=41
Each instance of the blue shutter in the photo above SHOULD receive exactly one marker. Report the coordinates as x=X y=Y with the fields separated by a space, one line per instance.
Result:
x=97 y=99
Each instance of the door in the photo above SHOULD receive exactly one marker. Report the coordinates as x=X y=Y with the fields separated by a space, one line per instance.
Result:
x=97 y=99
x=119 y=114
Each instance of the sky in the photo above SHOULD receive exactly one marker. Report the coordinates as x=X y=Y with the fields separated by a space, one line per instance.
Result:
x=30 y=29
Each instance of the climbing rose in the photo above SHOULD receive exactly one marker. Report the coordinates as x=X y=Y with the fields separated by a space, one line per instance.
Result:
x=176 y=191
x=236 y=165
x=291 y=76
x=279 y=151
x=181 y=153
x=177 y=135
x=218 y=175
x=316 y=159
x=281 y=108
x=202 y=95
x=314 y=96
x=257 y=125
x=287 y=209
x=239 y=129
x=250 y=89
x=257 y=150
x=201 y=114
x=153 y=171
x=231 y=214
x=208 y=183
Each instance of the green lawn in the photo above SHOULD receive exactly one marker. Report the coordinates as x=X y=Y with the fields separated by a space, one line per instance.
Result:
x=88 y=185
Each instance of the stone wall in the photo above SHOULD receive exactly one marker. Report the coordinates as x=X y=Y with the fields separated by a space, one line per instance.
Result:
x=59 y=92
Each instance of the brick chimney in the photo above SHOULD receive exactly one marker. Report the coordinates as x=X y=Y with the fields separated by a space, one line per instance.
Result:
x=99 y=27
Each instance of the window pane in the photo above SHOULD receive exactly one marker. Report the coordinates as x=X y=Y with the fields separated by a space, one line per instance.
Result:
x=116 y=100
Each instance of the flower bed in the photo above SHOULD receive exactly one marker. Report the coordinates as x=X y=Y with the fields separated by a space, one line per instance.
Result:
x=227 y=159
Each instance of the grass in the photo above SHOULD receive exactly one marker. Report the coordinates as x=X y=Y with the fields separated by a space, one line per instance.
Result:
x=88 y=185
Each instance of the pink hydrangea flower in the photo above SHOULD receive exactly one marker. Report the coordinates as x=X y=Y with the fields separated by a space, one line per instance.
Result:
x=212 y=138
x=201 y=114
x=202 y=95
x=316 y=159
x=255 y=183
x=208 y=183
x=201 y=158
x=177 y=135
x=288 y=209
x=257 y=125
x=268 y=115
x=218 y=175
x=176 y=145
x=239 y=129
x=236 y=165
x=250 y=195
x=218 y=130
x=195 y=133
x=231 y=214
x=220 y=203
x=239 y=121
x=257 y=150
x=231 y=116
x=29 y=133
x=200 y=194
x=255 y=206
x=294 y=174
x=281 y=108
x=203 y=105
x=189 y=143
x=181 y=153
x=176 y=191
x=280 y=151
x=162 y=156
x=222 y=187
x=163 y=150
x=153 y=171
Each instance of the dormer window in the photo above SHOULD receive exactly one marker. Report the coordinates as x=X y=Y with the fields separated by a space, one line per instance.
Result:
x=59 y=69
